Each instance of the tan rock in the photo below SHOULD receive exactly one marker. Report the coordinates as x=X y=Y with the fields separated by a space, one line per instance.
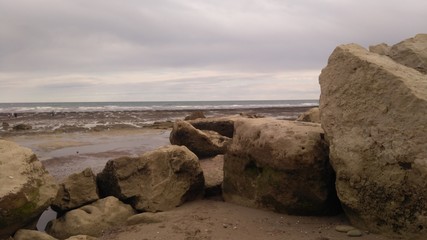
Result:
x=411 y=53
x=195 y=115
x=202 y=143
x=312 y=115
x=91 y=220
x=382 y=49
x=25 y=234
x=374 y=113
x=26 y=189
x=214 y=175
x=157 y=181
x=77 y=190
x=221 y=125
x=281 y=166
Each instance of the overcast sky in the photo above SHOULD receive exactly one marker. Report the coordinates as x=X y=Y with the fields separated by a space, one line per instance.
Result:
x=148 y=50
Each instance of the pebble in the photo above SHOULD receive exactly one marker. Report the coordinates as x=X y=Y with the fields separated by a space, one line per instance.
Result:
x=354 y=233
x=344 y=228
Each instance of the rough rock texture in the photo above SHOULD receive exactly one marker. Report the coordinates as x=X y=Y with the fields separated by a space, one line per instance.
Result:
x=146 y=218
x=26 y=189
x=24 y=234
x=91 y=219
x=411 y=53
x=214 y=175
x=202 y=143
x=280 y=165
x=382 y=49
x=77 y=190
x=374 y=113
x=221 y=125
x=312 y=115
x=195 y=115
x=157 y=181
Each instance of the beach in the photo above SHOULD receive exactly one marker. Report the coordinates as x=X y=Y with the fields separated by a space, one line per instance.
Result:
x=67 y=143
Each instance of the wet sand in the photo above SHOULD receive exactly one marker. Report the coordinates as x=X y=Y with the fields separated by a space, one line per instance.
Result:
x=65 y=153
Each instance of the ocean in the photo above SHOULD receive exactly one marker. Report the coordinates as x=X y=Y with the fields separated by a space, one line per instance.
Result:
x=149 y=106
x=97 y=116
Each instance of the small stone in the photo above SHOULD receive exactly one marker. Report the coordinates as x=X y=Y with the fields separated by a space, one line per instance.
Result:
x=344 y=228
x=354 y=233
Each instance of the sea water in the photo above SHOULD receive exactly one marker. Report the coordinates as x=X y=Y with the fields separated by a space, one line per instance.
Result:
x=147 y=106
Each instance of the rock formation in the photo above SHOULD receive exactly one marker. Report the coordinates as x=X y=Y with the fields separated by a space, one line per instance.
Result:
x=374 y=113
x=411 y=52
x=279 y=165
x=157 y=181
x=195 y=115
x=25 y=234
x=77 y=190
x=202 y=143
x=312 y=115
x=26 y=189
x=91 y=220
x=221 y=125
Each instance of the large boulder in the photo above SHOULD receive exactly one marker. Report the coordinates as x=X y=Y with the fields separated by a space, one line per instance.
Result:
x=77 y=190
x=26 y=188
x=91 y=220
x=157 y=181
x=202 y=143
x=374 y=113
x=281 y=166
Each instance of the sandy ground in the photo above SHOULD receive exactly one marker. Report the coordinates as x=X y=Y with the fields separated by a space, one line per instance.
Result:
x=65 y=153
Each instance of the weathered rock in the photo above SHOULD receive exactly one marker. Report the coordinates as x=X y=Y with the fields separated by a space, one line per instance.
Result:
x=344 y=228
x=22 y=127
x=202 y=143
x=26 y=189
x=77 y=190
x=157 y=181
x=221 y=125
x=312 y=115
x=355 y=233
x=382 y=49
x=280 y=165
x=374 y=113
x=25 y=234
x=411 y=53
x=91 y=220
x=214 y=175
x=195 y=115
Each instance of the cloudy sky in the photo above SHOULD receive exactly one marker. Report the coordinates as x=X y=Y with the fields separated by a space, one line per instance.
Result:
x=148 y=50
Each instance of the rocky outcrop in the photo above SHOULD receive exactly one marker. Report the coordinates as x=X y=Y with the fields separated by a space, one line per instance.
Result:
x=202 y=143
x=221 y=125
x=195 y=115
x=411 y=52
x=312 y=115
x=26 y=189
x=157 y=181
x=279 y=165
x=77 y=190
x=374 y=113
x=91 y=220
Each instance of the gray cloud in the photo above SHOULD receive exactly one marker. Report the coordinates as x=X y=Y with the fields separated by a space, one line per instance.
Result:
x=52 y=39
